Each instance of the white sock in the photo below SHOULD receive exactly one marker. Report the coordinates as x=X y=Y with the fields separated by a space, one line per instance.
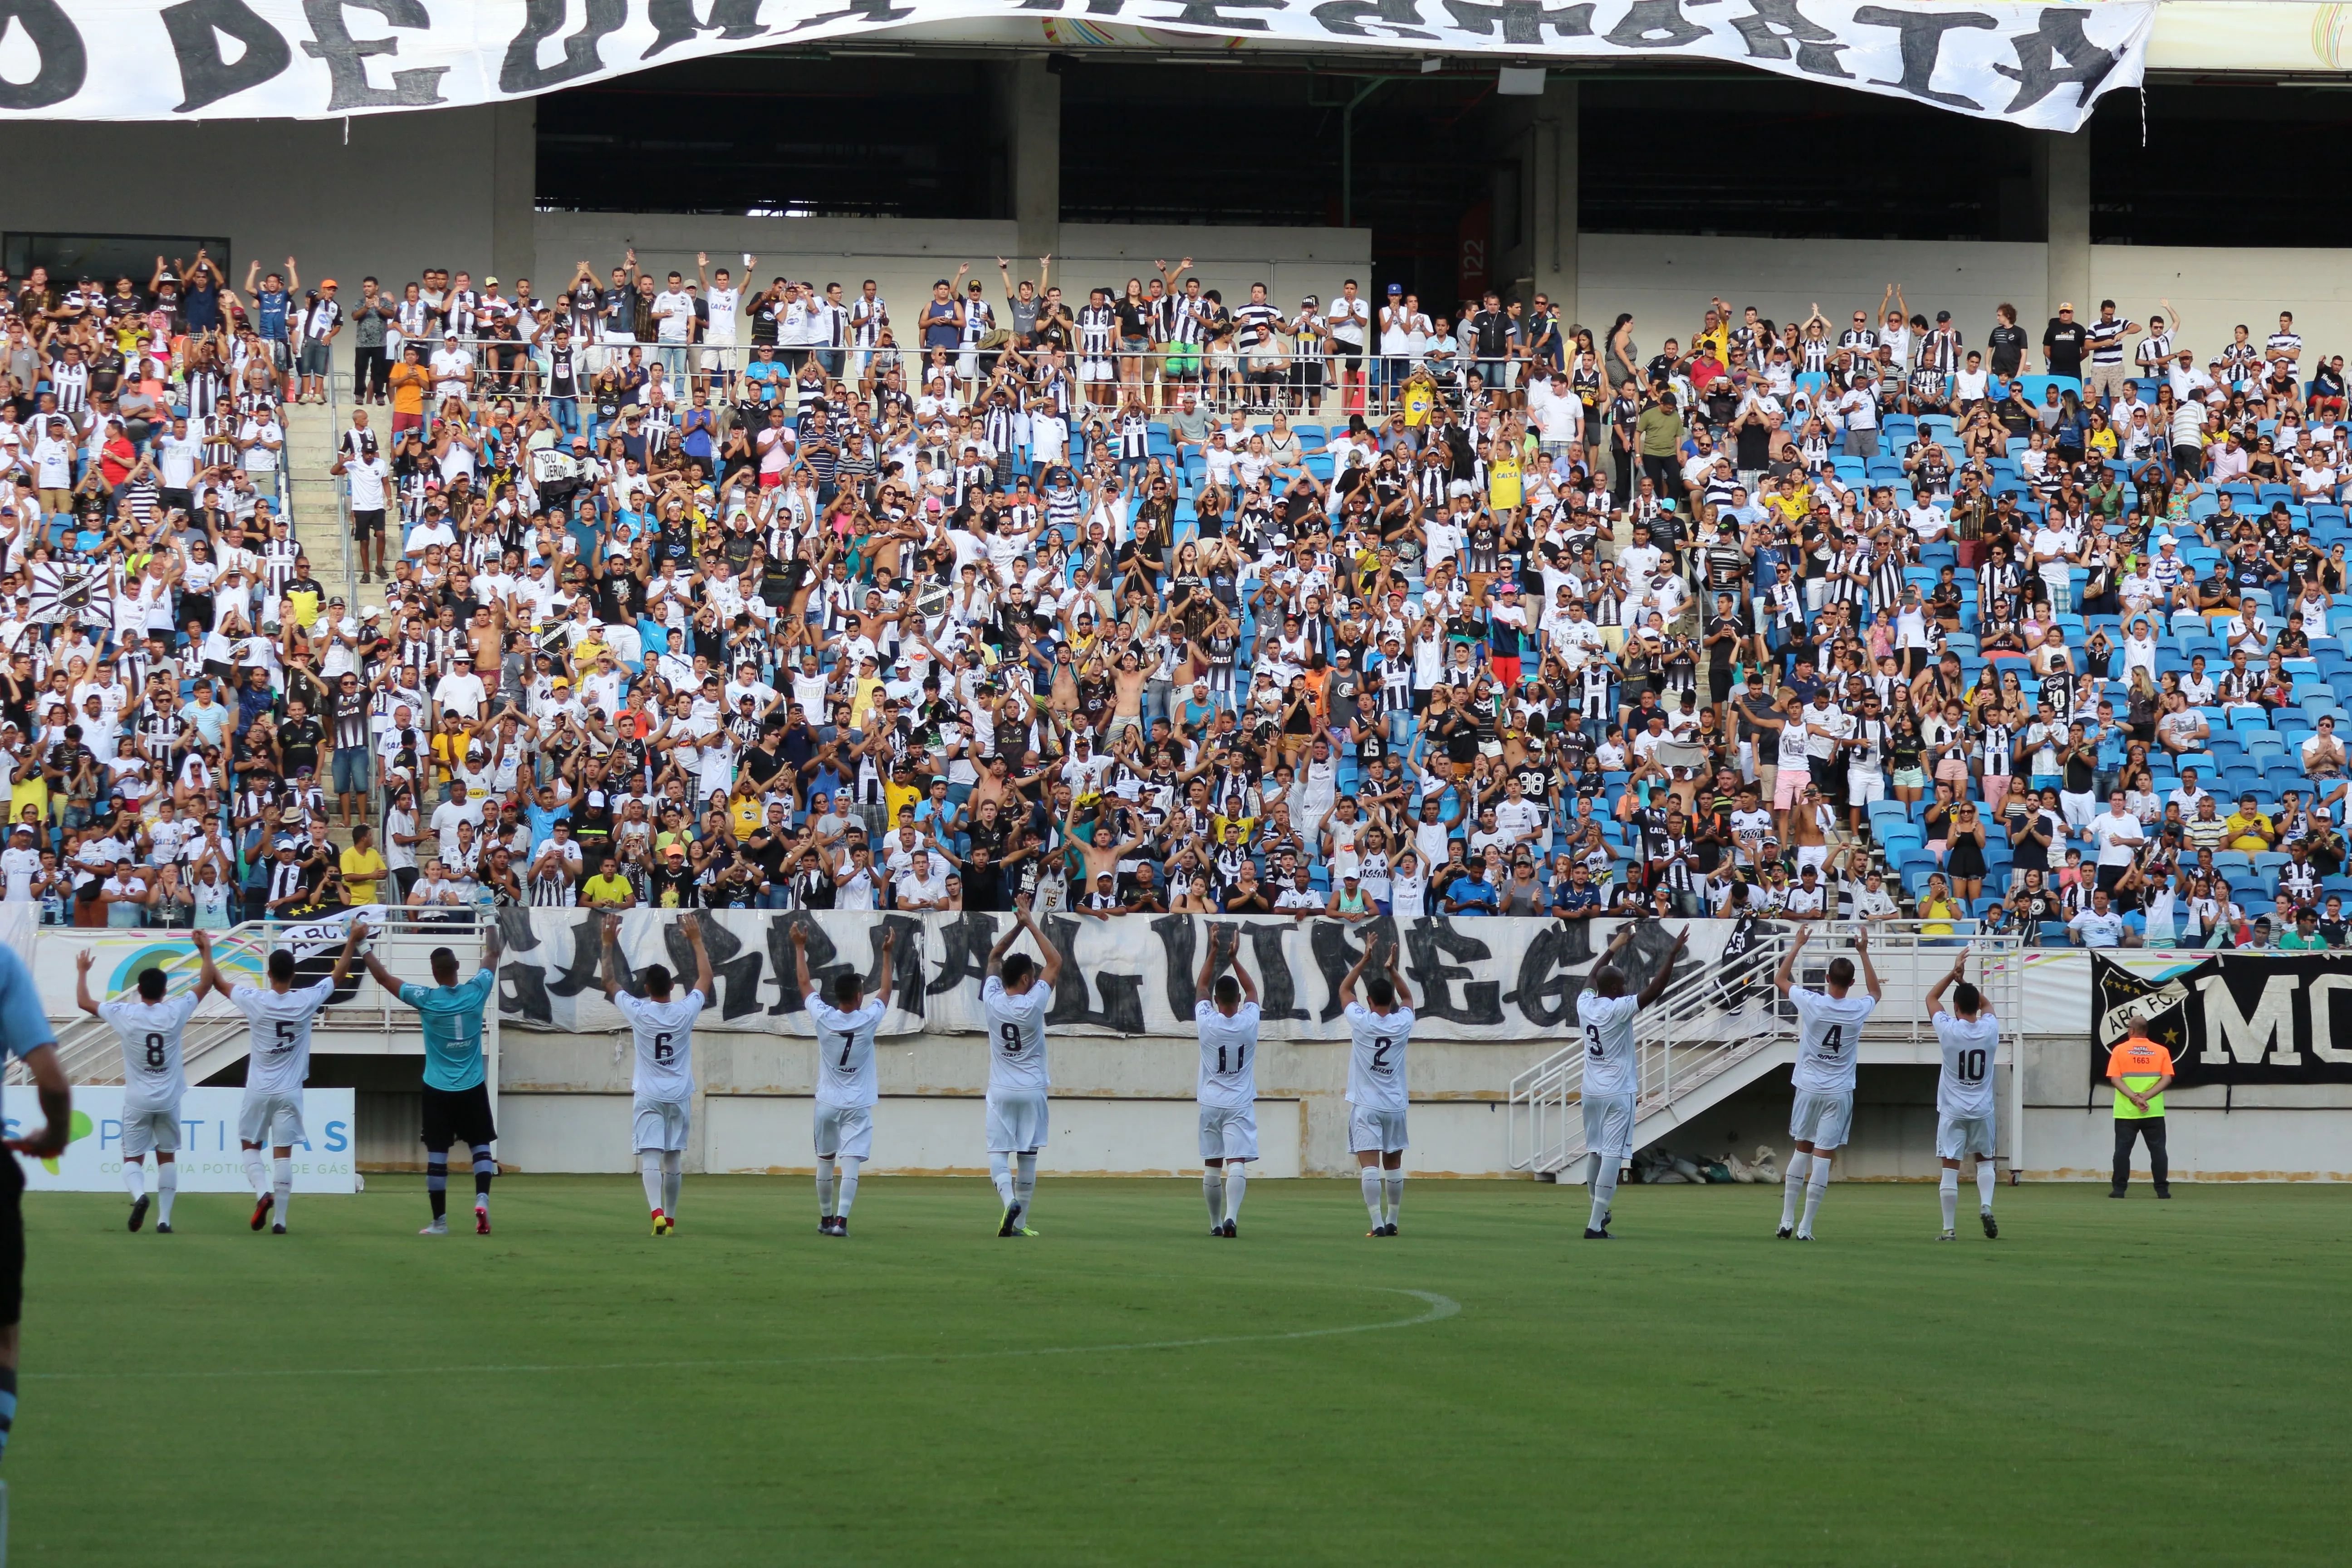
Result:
x=1395 y=1182
x=1592 y=1171
x=649 y=1166
x=999 y=1171
x=167 y=1187
x=134 y=1177
x=847 y=1192
x=1984 y=1185
x=1604 y=1193
x=282 y=1183
x=1815 y=1185
x=1025 y=1181
x=824 y=1185
x=256 y=1172
x=1212 y=1189
x=1371 y=1179
x=1791 y=1183
x=1949 y=1190
x=672 y=1175
x=1236 y=1183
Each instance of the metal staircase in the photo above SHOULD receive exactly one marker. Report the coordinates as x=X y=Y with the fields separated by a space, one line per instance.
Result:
x=1713 y=1033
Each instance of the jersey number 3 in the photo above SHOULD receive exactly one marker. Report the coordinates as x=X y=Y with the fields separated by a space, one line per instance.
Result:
x=1593 y=1042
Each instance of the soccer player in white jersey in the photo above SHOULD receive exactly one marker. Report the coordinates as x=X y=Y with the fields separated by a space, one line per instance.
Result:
x=845 y=1090
x=1828 y=1043
x=1378 y=1028
x=1227 y=1020
x=662 y=1024
x=1015 y=998
x=151 y=1026
x=1970 y=1037
x=1612 y=1073
x=275 y=1069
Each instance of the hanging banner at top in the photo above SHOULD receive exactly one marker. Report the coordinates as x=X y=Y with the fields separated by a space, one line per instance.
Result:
x=2038 y=64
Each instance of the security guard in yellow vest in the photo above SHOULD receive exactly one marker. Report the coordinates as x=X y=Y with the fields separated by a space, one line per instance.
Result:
x=2139 y=1068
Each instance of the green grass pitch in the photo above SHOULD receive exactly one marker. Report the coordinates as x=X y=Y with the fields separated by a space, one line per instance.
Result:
x=2109 y=1382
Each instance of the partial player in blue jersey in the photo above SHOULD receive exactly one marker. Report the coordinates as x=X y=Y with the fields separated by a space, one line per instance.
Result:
x=457 y=1082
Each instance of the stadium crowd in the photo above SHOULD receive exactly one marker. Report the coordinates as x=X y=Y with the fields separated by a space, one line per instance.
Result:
x=697 y=592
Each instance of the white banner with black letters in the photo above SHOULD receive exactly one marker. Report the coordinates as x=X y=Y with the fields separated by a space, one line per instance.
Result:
x=2038 y=64
x=1471 y=979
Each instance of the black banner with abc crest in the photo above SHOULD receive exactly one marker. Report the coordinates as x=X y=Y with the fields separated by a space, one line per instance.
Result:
x=2232 y=1018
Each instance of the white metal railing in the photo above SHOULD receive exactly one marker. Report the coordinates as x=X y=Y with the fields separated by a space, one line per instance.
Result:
x=1713 y=1020
x=89 y=1049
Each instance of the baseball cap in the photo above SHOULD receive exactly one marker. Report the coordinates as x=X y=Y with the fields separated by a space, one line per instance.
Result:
x=1396 y=289
x=2066 y=305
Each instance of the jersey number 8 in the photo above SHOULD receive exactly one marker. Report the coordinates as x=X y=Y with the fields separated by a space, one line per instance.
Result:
x=155 y=1053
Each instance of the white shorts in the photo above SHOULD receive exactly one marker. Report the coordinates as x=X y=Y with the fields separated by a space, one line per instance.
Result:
x=144 y=1131
x=1817 y=855
x=1609 y=1125
x=844 y=1132
x=2078 y=809
x=1016 y=1121
x=1861 y=788
x=1821 y=1120
x=1958 y=1137
x=1229 y=1132
x=1375 y=1131
x=662 y=1125
x=274 y=1120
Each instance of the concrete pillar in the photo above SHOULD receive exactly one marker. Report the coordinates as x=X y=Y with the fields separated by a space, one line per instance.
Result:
x=514 y=193
x=1540 y=134
x=1028 y=100
x=2067 y=198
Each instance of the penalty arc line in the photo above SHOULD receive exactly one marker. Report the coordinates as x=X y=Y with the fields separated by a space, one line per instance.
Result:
x=1439 y=1307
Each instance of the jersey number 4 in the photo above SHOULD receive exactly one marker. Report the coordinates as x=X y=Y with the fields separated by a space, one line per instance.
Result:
x=1834 y=1040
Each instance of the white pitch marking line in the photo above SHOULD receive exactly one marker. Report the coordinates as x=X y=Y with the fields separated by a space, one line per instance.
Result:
x=1440 y=1307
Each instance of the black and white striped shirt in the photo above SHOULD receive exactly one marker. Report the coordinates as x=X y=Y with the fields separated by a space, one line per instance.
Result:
x=1097 y=330
x=2105 y=342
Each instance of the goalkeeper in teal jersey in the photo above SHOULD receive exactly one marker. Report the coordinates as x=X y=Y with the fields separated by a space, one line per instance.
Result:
x=457 y=1095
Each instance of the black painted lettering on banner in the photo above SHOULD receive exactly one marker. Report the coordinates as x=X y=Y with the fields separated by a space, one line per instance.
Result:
x=2055 y=55
x=1547 y=991
x=1655 y=24
x=1175 y=935
x=868 y=11
x=1373 y=18
x=734 y=967
x=331 y=40
x=65 y=62
x=1771 y=26
x=675 y=22
x=1520 y=21
x=1431 y=944
x=1334 y=955
x=585 y=972
x=824 y=961
x=905 y=961
x=2234 y=1019
x=197 y=28
x=522 y=989
x=522 y=73
x=965 y=940
x=1277 y=996
x=1122 y=995
x=1211 y=13
x=1093 y=7
x=1923 y=41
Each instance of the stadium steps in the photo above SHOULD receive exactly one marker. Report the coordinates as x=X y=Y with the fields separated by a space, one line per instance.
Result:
x=311 y=431
x=1714 y=1032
